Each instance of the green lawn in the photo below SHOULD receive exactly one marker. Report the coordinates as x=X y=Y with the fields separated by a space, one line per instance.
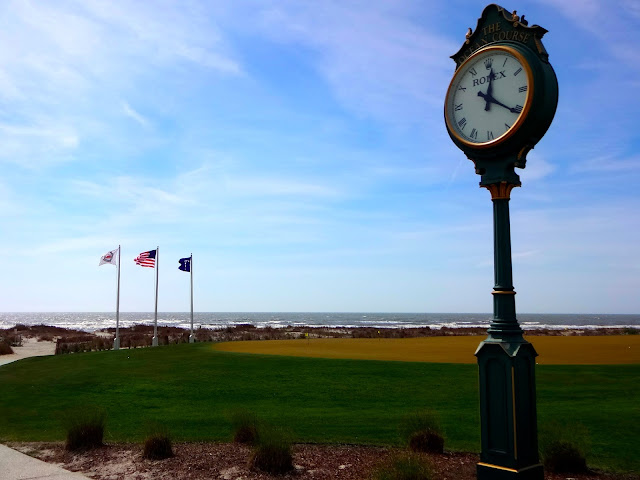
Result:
x=191 y=389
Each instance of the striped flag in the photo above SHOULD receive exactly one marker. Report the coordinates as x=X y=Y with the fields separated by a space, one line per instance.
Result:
x=146 y=259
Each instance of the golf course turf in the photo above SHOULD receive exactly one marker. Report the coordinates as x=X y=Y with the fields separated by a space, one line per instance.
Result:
x=559 y=350
x=192 y=389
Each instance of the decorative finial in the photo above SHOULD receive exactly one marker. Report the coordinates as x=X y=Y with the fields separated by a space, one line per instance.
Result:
x=468 y=35
x=523 y=21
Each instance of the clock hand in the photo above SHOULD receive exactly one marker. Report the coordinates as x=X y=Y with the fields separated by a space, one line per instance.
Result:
x=490 y=99
x=489 y=91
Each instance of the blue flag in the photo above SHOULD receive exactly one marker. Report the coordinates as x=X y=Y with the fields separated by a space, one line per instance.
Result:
x=185 y=264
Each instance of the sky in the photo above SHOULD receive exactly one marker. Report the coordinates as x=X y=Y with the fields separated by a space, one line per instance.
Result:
x=298 y=150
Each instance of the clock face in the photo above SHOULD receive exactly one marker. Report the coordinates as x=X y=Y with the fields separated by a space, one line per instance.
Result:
x=489 y=97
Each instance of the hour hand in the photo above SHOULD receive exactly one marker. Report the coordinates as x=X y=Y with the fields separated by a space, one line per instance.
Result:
x=490 y=99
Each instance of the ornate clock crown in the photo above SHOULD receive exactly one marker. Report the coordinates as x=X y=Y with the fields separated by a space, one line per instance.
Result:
x=497 y=25
x=488 y=62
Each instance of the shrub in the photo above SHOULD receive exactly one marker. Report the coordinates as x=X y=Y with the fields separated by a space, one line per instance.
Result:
x=564 y=457
x=563 y=448
x=157 y=445
x=14 y=340
x=245 y=426
x=272 y=453
x=5 y=348
x=85 y=429
x=421 y=431
x=406 y=466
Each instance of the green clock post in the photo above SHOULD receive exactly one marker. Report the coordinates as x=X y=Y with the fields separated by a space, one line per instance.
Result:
x=500 y=103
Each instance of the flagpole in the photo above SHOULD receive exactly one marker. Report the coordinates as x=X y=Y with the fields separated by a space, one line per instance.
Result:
x=116 y=341
x=192 y=338
x=155 y=316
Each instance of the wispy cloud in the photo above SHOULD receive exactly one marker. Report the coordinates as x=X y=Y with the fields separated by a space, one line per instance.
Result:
x=69 y=63
x=537 y=168
x=608 y=163
x=130 y=112
x=37 y=144
x=360 y=52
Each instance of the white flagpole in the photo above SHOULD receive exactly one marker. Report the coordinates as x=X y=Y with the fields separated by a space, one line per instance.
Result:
x=155 y=317
x=192 y=338
x=116 y=341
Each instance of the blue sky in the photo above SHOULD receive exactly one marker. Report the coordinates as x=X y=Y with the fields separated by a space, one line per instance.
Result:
x=298 y=149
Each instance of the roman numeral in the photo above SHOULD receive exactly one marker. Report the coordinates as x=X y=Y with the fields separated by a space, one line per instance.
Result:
x=507 y=127
x=464 y=89
x=474 y=134
x=462 y=123
x=473 y=72
x=505 y=61
x=489 y=135
x=522 y=89
x=517 y=71
x=458 y=107
x=518 y=108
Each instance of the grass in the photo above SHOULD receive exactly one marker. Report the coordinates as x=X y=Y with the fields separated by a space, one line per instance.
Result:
x=193 y=388
x=272 y=452
x=422 y=432
x=404 y=466
x=560 y=350
x=245 y=426
x=563 y=448
x=85 y=428
x=157 y=445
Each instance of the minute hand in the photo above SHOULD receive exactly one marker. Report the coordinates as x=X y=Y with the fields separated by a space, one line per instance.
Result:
x=490 y=99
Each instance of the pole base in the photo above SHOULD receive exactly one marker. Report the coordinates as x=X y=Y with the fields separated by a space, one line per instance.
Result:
x=116 y=343
x=495 y=472
x=154 y=342
x=192 y=339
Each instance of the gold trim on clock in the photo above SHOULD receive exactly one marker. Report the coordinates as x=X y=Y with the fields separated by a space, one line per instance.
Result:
x=527 y=104
x=500 y=191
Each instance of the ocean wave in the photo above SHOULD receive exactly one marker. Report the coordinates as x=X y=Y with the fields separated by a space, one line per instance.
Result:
x=92 y=321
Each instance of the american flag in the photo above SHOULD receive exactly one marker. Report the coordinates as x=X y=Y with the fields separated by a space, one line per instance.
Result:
x=146 y=259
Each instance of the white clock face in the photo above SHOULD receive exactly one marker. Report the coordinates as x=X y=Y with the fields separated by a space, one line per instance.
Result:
x=489 y=96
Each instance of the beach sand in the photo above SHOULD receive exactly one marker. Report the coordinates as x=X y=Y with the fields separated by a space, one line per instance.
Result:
x=30 y=348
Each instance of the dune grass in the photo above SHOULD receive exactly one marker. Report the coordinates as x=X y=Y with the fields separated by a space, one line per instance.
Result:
x=193 y=388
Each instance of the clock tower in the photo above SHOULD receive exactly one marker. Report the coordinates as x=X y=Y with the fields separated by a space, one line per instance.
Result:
x=500 y=102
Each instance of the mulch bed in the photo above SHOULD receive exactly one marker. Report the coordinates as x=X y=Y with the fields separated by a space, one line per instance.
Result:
x=229 y=461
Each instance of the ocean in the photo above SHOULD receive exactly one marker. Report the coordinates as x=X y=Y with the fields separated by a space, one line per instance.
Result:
x=92 y=321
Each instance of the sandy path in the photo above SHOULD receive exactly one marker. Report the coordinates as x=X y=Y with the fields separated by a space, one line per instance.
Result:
x=30 y=348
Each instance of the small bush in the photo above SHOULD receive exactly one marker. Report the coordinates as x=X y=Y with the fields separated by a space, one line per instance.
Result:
x=406 y=466
x=245 y=426
x=563 y=448
x=564 y=457
x=85 y=429
x=157 y=445
x=421 y=431
x=5 y=348
x=426 y=442
x=272 y=453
